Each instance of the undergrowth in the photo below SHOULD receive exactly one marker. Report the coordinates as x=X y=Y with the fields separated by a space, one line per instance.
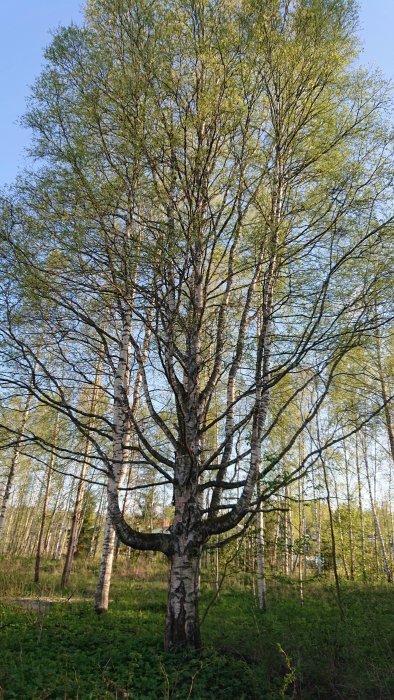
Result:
x=62 y=650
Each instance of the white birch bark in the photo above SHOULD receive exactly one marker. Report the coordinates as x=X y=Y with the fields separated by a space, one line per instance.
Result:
x=121 y=443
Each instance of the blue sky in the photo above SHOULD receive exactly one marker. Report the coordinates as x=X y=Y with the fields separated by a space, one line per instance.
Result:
x=25 y=30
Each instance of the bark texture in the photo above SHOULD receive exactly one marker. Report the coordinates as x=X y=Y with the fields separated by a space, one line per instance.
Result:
x=182 y=622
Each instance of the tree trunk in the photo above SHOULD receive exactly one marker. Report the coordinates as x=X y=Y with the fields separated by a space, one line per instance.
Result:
x=45 y=505
x=53 y=517
x=274 y=561
x=378 y=530
x=361 y=512
x=260 y=555
x=129 y=479
x=350 y=517
x=285 y=538
x=340 y=529
x=333 y=542
x=104 y=582
x=97 y=527
x=14 y=463
x=317 y=523
x=123 y=414
x=42 y=526
x=182 y=622
x=77 y=513
x=301 y=547
x=121 y=443
x=75 y=522
x=382 y=380
x=217 y=568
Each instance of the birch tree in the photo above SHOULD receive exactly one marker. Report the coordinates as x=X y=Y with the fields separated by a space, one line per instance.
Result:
x=204 y=164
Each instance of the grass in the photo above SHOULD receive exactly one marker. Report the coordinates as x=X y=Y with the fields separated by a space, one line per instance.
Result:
x=63 y=650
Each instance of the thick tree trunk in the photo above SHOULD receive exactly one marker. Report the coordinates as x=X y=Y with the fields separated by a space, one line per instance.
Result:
x=182 y=622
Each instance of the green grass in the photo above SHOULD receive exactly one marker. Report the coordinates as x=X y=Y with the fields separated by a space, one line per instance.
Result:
x=66 y=651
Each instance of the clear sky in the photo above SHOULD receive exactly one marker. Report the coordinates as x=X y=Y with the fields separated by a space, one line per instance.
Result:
x=25 y=30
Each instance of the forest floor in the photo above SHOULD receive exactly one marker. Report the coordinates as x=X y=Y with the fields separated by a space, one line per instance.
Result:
x=58 y=648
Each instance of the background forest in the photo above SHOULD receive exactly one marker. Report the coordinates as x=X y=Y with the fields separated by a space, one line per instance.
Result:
x=196 y=366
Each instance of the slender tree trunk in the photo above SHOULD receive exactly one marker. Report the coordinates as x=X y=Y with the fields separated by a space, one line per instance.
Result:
x=123 y=414
x=24 y=522
x=378 y=530
x=14 y=463
x=49 y=534
x=260 y=553
x=45 y=505
x=8 y=528
x=217 y=568
x=350 y=518
x=42 y=526
x=391 y=517
x=32 y=540
x=301 y=539
x=121 y=455
x=290 y=543
x=333 y=542
x=129 y=479
x=361 y=511
x=63 y=529
x=104 y=582
x=385 y=395
x=97 y=526
x=341 y=540
x=274 y=563
x=317 y=523
x=77 y=513
x=287 y=534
